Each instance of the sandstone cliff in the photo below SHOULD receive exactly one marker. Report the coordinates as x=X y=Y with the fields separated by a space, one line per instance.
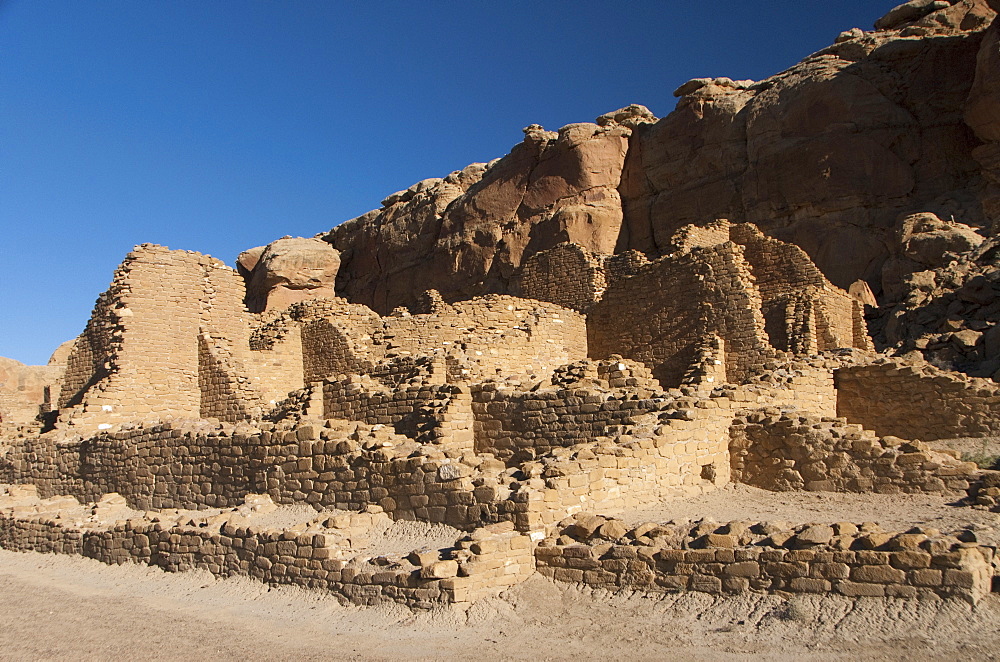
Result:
x=830 y=155
x=466 y=234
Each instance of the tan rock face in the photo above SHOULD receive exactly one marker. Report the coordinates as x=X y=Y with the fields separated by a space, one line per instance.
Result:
x=466 y=234
x=289 y=270
x=22 y=388
x=61 y=355
x=923 y=242
x=982 y=113
x=927 y=239
x=828 y=154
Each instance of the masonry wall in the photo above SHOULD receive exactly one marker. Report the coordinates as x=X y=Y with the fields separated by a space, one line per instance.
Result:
x=493 y=335
x=489 y=561
x=429 y=413
x=687 y=454
x=518 y=425
x=197 y=465
x=227 y=391
x=803 y=311
x=925 y=569
x=804 y=385
x=700 y=236
x=278 y=368
x=139 y=353
x=659 y=315
x=794 y=452
x=918 y=401
x=481 y=338
x=568 y=275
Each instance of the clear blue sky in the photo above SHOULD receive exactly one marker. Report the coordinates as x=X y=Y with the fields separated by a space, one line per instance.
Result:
x=220 y=125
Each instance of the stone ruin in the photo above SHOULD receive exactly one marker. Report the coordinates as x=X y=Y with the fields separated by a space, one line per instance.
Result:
x=597 y=357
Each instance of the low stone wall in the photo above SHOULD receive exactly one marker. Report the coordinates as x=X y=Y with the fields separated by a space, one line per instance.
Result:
x=740 y=557
x=918 y=401
x=793 y=452
x=806 y=386
x=685 y=454
x=484 y=563
x=195 y=465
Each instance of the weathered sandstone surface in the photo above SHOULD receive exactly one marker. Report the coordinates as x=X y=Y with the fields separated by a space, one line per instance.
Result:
x=465 y=234
x=829 y=155
x=288 y=270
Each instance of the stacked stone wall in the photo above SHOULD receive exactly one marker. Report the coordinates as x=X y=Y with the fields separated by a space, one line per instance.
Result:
x=493 y=335
x=277 y=369
x=430 y=413
x=681 y=300
x=918 y=401
x=804 y=386
x=193 y=465
x=227 y=392
x=481 y=338
x=488 y=561
x=568 y=275
x=793 y=452
x=803 y=311
x=140 y=353
x=734 y=561
x=518 y=425
x=699 y=236
x=686 y=454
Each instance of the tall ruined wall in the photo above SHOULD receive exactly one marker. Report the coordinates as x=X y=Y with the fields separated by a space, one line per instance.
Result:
x=481 y=338
x=803 y=311
x=139 y=352
x=659 y=315
x=171 y=337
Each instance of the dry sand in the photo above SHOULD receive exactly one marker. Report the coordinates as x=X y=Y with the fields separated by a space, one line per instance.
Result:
x=61 y=607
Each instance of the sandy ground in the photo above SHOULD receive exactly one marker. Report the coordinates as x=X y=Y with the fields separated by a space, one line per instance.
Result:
x=60 y=607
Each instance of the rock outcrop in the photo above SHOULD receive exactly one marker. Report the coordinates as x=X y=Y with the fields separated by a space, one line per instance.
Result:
x=26 y=388
x=465 y=234
x=829 y=153
x=287 y=271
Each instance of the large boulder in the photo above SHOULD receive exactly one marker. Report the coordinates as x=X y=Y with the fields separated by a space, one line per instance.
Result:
x=932 y=242
x=287 y=271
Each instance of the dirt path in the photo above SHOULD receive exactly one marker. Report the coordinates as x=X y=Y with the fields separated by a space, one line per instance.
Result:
x=58 y=607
